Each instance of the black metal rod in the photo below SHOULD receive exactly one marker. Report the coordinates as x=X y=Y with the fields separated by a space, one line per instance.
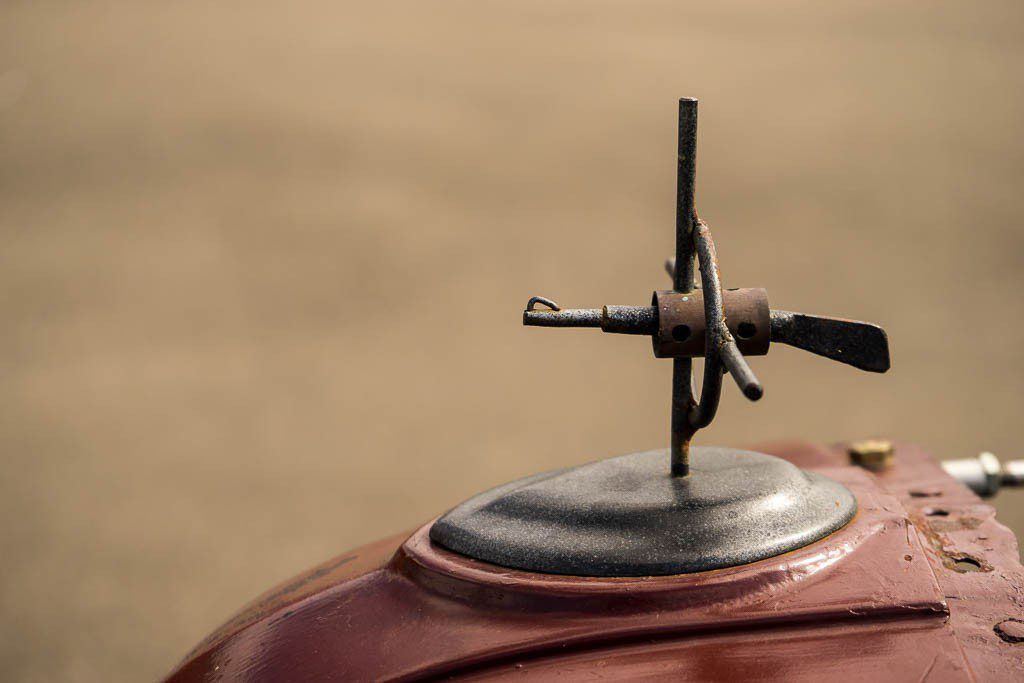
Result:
x=570 y=317
x=682 y=368
x=630 y=320
x=682 y=401
x=740 y=371
x=614 y=319
x=686 y=177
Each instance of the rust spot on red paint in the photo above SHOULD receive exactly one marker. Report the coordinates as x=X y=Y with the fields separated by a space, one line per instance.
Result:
x=950 y=557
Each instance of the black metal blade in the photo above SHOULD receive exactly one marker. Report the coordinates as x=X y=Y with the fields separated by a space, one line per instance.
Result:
x=861 y=345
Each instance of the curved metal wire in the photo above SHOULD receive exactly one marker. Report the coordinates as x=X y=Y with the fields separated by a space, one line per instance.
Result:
x=716 y=334
x=720 y=355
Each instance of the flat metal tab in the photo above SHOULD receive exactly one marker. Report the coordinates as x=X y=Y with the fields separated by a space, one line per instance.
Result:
x=628 y=516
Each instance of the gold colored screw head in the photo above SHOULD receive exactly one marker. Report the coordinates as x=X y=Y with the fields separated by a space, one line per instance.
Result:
x=871 y=454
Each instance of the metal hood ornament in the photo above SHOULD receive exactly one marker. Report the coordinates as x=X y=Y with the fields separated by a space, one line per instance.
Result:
x=723 y=326
x=715 y=507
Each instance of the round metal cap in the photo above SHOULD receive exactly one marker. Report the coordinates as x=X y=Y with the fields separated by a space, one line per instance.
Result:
x=627 y=516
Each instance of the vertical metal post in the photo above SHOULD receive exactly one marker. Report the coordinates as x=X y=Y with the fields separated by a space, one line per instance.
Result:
x=686 y=175
x=682 y=368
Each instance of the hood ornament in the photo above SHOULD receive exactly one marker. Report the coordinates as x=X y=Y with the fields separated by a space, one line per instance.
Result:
x=723 y=326
x=717 y=507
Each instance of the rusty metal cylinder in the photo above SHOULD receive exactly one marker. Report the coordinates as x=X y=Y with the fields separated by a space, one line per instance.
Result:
x=681 y=323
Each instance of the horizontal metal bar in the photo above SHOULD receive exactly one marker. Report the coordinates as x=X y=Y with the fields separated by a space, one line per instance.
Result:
x=855 y=343
x=568 y=317
x=614 y=319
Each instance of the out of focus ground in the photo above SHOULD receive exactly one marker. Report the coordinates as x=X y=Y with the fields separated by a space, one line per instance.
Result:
x=262 y=268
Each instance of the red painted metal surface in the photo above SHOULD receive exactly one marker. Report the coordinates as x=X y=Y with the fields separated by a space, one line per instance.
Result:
x=903 y=592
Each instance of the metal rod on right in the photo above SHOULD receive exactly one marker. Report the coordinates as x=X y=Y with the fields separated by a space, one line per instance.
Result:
x=682 y=368
x=740 y=371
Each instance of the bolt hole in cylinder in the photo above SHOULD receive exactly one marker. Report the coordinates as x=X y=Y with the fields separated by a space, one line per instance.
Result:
x=681 y=333
x=937 y=512
x=746 y=330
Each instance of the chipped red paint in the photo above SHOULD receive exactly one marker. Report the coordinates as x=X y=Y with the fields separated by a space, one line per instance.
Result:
x=885 y=598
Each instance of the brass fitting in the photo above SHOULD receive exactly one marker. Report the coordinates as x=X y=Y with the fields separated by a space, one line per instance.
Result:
x=871 y=454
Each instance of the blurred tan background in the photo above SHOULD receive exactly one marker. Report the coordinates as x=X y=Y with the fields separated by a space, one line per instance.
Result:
x=262 y=268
